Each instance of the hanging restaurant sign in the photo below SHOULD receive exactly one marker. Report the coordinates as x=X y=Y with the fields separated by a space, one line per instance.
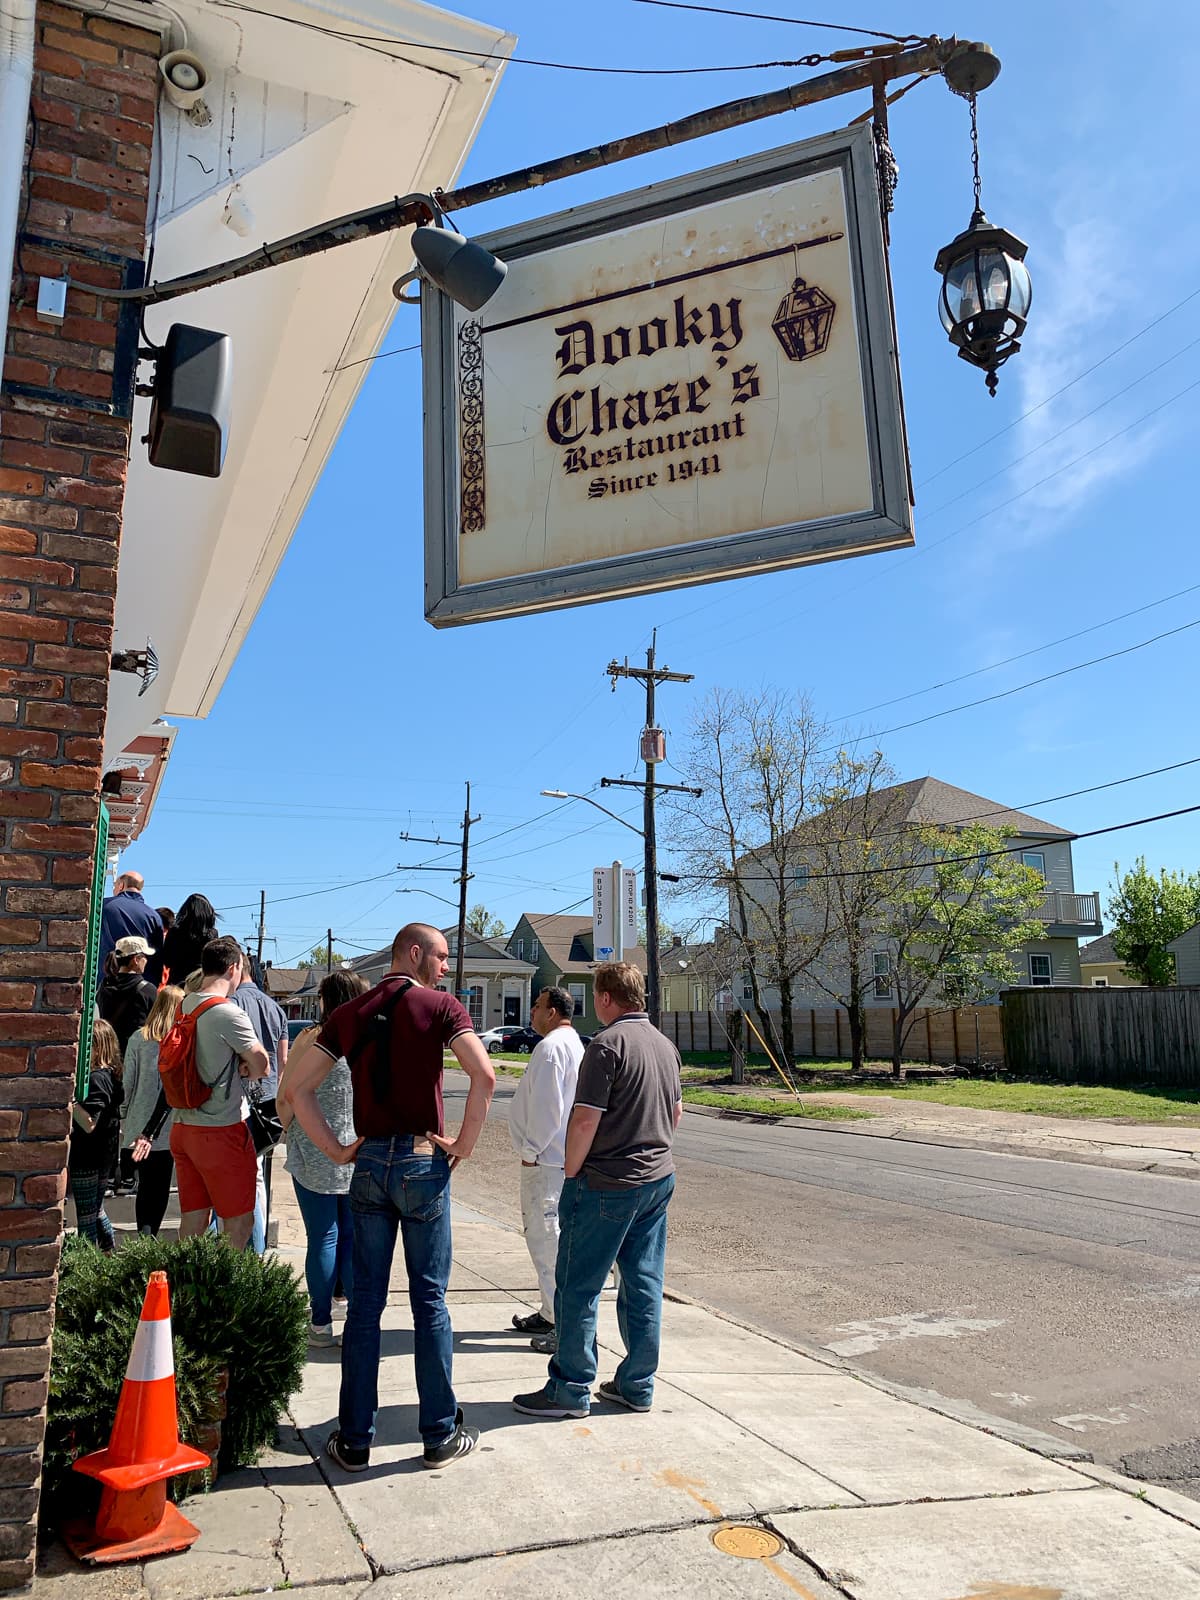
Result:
x=682 y=384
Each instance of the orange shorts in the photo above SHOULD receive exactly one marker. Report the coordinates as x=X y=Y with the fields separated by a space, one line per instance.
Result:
x=216 y=1168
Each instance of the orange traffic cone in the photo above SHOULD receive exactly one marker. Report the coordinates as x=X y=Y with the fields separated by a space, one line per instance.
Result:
x=135 y=1518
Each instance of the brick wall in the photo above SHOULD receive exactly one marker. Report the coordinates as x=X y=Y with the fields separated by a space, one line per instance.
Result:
x=64 y=443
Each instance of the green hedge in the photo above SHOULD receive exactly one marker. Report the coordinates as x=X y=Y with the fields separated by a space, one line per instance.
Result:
x=230 y=1311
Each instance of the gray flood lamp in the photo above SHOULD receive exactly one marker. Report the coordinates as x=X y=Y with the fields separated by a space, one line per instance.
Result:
x=459 y=267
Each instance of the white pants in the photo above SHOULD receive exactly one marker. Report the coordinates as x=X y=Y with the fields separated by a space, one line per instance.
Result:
x=540 y=1189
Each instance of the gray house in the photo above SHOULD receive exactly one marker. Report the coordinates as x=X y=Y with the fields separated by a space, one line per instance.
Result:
x=496 y=985
x=561 y=951
x=1186 y=950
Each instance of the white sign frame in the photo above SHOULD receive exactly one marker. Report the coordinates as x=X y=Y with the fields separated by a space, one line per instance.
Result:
x=455 y=396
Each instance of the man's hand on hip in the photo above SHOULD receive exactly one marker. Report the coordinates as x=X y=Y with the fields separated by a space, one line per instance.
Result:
x=456 y=1149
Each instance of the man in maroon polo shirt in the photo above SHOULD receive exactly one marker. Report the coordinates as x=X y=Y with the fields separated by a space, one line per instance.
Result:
x=393 y=1037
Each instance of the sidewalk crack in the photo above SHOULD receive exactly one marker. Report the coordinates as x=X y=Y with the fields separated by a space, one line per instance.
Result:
x=277 y=1541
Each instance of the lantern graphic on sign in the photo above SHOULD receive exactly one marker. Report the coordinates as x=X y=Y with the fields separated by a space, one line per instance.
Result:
x=803 y=321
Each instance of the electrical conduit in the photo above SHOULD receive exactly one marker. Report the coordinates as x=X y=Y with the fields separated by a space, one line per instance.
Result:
x=17 y=32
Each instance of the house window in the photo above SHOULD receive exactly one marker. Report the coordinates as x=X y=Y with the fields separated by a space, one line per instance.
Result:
x=1040 y=972
x=520 y=949
x=1035 y=859
x=800 y=876
x=578 y=993
x=883 y=975
x=697 y=997
x=534 y=950
x=1099 y=983
x=474 y=999
x=747 y=987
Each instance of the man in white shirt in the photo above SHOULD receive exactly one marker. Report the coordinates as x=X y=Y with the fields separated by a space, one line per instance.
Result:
x=537 y=1123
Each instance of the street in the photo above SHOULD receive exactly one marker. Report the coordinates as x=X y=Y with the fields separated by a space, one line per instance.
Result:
x=1063 y=1297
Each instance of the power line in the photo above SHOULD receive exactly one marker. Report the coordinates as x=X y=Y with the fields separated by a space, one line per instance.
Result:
x=1036 y=649
x=765 y=16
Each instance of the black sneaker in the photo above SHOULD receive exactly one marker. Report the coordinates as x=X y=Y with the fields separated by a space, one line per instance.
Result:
x=539 y=1404
x=609 y=1391
x=460 y=1443
x=546 y=1344
x=535 y=1322
x=349 y=1457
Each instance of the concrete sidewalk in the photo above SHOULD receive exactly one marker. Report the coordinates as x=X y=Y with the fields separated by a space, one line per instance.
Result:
x=763 y=1470
x=1133 y=1146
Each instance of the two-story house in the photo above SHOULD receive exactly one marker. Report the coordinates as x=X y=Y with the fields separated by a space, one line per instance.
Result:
x=561 y=950
x=928 y=802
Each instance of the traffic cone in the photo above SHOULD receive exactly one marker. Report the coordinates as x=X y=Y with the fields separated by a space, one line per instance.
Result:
x=135 y=1518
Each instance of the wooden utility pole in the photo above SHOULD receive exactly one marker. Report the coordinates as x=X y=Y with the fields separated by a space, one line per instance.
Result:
x=653 y=750
x=464 y=877
x=328 y=951
x=262 y=922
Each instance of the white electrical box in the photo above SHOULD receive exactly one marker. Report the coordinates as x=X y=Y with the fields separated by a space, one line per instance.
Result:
x=52 y=299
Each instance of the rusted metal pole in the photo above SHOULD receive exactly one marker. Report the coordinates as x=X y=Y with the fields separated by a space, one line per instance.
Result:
x=930 y=56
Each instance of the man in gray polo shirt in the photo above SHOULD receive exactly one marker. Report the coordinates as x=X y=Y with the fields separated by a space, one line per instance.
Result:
x=620 y=1175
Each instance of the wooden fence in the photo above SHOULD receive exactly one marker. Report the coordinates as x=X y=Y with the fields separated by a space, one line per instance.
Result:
x=966 y=1036
x=1105 y=1035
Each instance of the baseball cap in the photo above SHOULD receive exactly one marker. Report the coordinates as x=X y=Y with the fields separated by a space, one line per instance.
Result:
x=132 y=945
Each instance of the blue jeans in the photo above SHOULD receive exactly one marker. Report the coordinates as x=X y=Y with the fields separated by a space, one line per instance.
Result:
x=330 y=1232
x=393 y=1187
x=597 y=1229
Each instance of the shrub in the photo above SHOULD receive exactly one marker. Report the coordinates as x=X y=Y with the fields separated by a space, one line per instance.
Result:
x=230 y=1311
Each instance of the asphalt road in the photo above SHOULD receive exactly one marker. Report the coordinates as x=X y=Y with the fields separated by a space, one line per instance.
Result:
x=1061 y=1296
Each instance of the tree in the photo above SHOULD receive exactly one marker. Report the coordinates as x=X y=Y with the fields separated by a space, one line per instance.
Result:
x=953 y=920
x=757 y=758
x=480 y=921
x=316 y=957
x=1147 y=913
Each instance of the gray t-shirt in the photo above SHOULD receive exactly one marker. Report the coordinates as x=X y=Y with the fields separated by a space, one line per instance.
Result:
x=142 y=1082
x=630 y=1072
x=223 y=1037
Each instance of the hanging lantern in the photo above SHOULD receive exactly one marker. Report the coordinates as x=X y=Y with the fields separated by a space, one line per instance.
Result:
x=803 y=321
x=986 y=292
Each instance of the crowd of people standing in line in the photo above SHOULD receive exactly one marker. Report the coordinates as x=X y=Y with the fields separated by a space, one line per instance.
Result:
x=361 y=1099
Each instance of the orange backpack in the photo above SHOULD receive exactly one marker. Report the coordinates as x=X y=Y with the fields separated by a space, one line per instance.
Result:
x=182 y=1084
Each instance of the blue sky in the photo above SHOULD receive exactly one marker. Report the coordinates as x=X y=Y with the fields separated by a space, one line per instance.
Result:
x=1064 y=503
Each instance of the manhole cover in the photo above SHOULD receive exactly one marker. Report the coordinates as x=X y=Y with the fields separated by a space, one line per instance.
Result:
x=752 y=1544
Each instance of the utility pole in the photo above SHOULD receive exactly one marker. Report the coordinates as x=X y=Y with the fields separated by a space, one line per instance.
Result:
x=328 y=951
x=262 y=921
x=464 y=877
x=653 y=751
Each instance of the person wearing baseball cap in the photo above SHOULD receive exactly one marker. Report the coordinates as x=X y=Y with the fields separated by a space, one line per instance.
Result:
x=126 y=995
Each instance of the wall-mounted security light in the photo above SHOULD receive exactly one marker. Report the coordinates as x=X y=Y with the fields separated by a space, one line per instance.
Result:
x=190 y=401
x=459 y=267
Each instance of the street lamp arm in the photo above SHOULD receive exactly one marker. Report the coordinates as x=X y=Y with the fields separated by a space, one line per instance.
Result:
x=562 y=794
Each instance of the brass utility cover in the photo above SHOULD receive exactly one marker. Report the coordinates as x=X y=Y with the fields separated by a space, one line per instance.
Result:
x=752 y=1544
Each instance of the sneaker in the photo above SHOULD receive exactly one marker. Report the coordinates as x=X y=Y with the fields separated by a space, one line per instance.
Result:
x=340 y=1306
x=347 y=1456
x=535 y=1322
x=460 y=1443
x=609 y=1391
x=321 y=1335
x=546 y=1344
x=539 y=1404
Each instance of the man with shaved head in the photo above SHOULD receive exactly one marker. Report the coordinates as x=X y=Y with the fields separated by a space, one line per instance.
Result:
x=393 y=1038
x=125 y=913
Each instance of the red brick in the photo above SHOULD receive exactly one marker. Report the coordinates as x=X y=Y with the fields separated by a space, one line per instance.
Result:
x=47 y=1188
x=75 y=380
x=89 y=691
x=37 y=776
x=69 y=194
x=137 y=109
x=25 y=1027
x=73 y=719
x=48 y=902
x=93 y=635
x=27 y=805
x=77 y=605
x=19 y=930
x=111 y=178
x=16 y=653
x=134 y=154
x=27 y=742
x=8 y=1193
x=121 y=33
x=25 y=424
x=41 y=455
x=67 y=935
x=78 y=547
x=81 y=44
x=22 y=1431
x=78 y=808
x=17 y=540
x=72 y=870
x=24 y=1397
x=56 y=161
x=38 y=836
x=25 y=869
x=83 y=749
x=36 y=1325
x=98 y=580
x=23 y=569
x=104 y=524
x=28 y=683
x=25 y=1361
x=37 y=513
x=36 y=964
x=18 y=370
x=93 y=435
x=82 y=492
x=14 y=597
x=14 y=626
x=50 y=1059
x=34 y=1258
x=64 y=996
x=70 y=658
x=8 y=713
x=50 y=109
x=15 y=482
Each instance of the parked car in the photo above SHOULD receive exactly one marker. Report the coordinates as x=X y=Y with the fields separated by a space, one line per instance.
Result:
x=296 y=1026
x=509 y=1037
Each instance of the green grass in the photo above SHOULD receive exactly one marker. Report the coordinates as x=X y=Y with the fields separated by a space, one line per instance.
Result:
x=772 y=1108
x=1082 y=1100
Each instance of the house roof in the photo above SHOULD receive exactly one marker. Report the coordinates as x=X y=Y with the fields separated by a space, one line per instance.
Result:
x=567 y=941
x=285 y=980
x=930 y=802
x=1187 y=933
x=479 y=955
x=1098 y=953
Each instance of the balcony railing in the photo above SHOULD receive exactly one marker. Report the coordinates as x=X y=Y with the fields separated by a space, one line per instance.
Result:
x=1080 y=911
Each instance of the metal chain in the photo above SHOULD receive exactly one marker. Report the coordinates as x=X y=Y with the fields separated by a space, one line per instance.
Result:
x=971 y=100
x=887 y=168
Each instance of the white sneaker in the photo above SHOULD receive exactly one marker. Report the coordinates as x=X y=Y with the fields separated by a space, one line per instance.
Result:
x=321 y=1336
x=340 y=1306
